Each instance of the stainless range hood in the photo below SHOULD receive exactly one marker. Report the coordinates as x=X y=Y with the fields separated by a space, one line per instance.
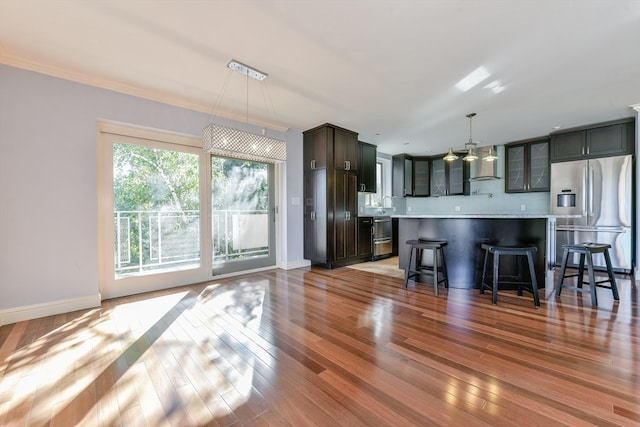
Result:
x=482 y=169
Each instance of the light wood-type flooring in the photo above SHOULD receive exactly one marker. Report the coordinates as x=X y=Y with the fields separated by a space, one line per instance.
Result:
x=341 y=347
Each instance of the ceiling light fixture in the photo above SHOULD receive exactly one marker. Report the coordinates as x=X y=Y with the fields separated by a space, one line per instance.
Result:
x=470 y=146
x=226 y=141
x=491 y=155
x=451 y=156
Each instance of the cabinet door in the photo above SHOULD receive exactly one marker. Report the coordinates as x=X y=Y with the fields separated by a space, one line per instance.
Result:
x=538 y=176
x=607 y=141
x=317 y=147
x=367 y=168
x=402 y=176
x=421 y=177
x=345 y=146
x=345 y=215
x=457 y=179
x=515 y=178
x=315 y=215
x=365 y=237
x=438 y=178
x=567 y=146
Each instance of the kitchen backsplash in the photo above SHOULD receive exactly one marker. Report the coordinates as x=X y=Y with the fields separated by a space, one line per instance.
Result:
x=486 y=197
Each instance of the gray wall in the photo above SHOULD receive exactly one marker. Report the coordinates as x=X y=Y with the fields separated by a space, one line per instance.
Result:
x=48 y=185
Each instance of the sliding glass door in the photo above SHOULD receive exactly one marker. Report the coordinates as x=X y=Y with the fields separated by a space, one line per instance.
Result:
x=171 y=214
x=242 y=215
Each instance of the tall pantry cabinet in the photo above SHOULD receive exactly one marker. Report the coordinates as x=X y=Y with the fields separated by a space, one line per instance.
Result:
x=330 y=156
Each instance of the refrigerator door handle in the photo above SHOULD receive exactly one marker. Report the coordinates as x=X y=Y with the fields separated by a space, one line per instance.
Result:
x=590 y=184
x=585 y=191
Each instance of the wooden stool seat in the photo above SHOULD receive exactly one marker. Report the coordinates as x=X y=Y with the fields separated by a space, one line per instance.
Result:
x=439 y=272
x=586 y=251
x=497 y=251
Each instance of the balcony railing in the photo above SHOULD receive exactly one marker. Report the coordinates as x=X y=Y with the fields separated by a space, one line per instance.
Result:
x=155 y=240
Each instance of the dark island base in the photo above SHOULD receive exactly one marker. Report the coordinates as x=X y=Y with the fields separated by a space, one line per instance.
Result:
x=465 y=236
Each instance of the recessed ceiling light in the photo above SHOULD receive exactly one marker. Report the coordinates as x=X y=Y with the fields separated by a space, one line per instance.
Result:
x=405 y=143
x=556 y=127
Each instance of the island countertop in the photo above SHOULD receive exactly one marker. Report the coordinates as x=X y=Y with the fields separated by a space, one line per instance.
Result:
x=465 y=234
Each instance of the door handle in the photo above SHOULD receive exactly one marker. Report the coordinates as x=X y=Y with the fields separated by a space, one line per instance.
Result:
x=347 y=215
x=313 y=215
x=313 y=164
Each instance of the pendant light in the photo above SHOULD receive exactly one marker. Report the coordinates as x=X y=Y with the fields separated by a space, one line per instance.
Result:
x=470 y=146
x=491 y=155
x=451 y=156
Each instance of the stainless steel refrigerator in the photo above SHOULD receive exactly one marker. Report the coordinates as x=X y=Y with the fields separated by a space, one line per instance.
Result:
x=600 y=191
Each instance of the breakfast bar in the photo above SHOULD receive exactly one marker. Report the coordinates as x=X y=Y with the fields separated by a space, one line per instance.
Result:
x=466 y=233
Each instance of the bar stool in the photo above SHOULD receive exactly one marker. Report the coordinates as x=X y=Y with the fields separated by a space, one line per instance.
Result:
x=586 y=251
x=497 y=251
x=439 y=272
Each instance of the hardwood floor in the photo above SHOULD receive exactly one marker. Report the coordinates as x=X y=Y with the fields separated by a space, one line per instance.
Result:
x=326 y=347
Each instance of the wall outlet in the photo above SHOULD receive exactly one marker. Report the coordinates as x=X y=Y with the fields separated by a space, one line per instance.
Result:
x=408 y=208
x=361 y=209
x=523 y=207
x=394 y=208
x=457 y=208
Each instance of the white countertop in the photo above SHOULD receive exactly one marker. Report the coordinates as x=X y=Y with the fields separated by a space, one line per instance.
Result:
x=487 y=216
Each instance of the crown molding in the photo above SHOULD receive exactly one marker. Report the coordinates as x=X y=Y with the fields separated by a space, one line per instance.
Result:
x=127 y=89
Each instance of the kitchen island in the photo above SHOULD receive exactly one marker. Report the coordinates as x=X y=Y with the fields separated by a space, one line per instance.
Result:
x=465 y=233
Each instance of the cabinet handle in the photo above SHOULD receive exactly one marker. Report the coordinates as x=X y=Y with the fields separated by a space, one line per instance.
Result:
x=347 y=165
x=347 y=215
x=313 y=164
x=313 y=215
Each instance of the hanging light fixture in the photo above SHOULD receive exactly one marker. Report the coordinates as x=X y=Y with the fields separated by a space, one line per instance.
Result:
x=451 y=156
x=226 y=141
x=491 y=155
x=470 y=146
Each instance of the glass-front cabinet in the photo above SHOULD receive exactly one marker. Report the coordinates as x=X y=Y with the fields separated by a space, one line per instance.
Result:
x=527 y=166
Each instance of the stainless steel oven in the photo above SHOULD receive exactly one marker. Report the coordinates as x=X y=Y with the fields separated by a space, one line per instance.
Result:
x=382 y=237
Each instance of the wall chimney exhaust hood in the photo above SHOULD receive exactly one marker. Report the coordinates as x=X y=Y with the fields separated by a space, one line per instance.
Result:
x=483 y=169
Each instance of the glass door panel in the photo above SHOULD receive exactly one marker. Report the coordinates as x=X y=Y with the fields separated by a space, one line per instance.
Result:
x=156 y=210
x=242 y=215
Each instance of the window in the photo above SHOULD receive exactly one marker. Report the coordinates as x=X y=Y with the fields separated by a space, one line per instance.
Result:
x=375 y=199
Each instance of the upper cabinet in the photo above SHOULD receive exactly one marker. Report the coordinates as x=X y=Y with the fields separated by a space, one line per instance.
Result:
x=599 y=140
x=345 y=150
x=421 y=176
x=402 y=176
x=527 y=166
x=367 y=159
x=449 y=178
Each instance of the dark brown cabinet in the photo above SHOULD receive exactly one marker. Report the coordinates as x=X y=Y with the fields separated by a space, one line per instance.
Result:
x=527 y=166
x=365 y=236
x=345 y=149
x=402 y=175
x=315 y=215
x=330 y=196
x=367 y=160
x=421 y=176
x=449 y=178
x=598 y=140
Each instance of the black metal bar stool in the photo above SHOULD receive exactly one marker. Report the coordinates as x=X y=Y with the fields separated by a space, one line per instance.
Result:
x=439 y=272
x=497 y=251
x=586 y=251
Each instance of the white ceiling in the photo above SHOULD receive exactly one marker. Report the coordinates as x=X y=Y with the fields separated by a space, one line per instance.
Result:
x=386 y=69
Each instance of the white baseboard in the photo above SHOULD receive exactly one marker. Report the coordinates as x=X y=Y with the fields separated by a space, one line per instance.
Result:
x=34 y=311
x=295 y=264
